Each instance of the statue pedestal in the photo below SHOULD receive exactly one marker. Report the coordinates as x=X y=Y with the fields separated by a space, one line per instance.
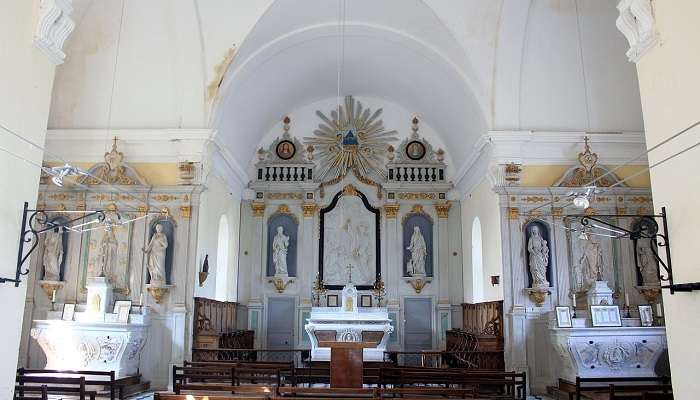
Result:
x=600 y=293
x=99 y=296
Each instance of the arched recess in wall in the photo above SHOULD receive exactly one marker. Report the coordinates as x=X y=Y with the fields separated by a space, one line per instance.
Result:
x=222 y=245
x=477 y=262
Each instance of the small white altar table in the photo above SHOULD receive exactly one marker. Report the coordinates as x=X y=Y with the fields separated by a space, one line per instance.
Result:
x=93 y=345
x=608 y=352
x=360 y=325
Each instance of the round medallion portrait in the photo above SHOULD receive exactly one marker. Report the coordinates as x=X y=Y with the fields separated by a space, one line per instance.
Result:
x=415 y=150
x=286 y=149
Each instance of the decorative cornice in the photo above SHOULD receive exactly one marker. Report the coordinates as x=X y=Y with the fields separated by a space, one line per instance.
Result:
x=390 y=210
x=54 y=26
x=258 y=209
x=443 y=209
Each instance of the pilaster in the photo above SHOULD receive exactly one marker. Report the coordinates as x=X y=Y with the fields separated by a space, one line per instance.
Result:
x=443 y=211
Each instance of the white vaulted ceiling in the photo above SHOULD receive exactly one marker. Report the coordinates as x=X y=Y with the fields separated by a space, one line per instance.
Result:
x=464 y=66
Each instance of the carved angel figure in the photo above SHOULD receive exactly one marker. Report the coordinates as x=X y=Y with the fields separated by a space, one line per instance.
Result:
x=155 y=252
x=538 y=258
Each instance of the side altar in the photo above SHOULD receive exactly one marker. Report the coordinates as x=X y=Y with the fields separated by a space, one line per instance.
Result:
x=349 y=323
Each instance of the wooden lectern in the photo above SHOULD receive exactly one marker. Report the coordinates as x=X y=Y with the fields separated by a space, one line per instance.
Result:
x=346 y=363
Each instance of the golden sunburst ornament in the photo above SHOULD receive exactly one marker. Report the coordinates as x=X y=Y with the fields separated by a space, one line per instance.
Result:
x=352 y=138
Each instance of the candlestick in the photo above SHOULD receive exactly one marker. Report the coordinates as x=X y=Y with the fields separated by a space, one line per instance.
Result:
x=53 y=296
x=627 y=300
x=659 y=312
x=141 y=299
x=574 y=307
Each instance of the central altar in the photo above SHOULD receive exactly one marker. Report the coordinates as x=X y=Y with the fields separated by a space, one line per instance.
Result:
x=349 y=323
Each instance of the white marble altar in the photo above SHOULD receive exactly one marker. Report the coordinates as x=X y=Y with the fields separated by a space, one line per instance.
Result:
x=86 y=344
x=608 y=352
x=361 y=324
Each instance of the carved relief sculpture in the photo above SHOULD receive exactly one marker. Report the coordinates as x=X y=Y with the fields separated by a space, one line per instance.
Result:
x=53 y=254
x=538 y=258
x=280 y=245
x=155 y=256
x=419 y=250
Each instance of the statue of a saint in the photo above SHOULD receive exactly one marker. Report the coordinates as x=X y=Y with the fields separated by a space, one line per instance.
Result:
x=280 y=246
x=419 y=250
x=155 y=253
x=53 y=254
x=591 y=261
x=647 y=266
x=538 y=258
x=108 y=254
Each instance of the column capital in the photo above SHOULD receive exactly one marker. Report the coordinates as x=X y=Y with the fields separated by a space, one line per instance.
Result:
x=258 y=209
x=391 y=209
x=513 y=213
x=309 y=209
x=443 y=209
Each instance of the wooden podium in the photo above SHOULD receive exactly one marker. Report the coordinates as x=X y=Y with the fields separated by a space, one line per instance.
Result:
x=346 y=363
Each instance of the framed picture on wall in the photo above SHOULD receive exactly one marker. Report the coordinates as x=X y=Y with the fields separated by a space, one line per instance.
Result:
x=366 y=300
x=68 y=312
x=332 y=300
x=564 y=317
x=605 y=316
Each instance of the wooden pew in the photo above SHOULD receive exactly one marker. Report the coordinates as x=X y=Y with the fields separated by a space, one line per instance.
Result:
x=219 y=379
x=285 y=369
x=92 y=378
x=31 y=393
x=54 y=385
x=637 y=392
x=576 y=390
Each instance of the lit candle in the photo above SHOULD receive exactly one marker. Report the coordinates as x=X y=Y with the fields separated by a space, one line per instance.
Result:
x=574 y=296
x=53 y=296
x=658 y=310
x=627 y=299
x=141 y=299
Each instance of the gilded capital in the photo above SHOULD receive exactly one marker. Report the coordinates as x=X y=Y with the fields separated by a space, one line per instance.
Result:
x=557 y=212
x=391 y=210
x=443 y=209
x=309 y=209
x=258 y=209
x=185 y=211
x=513 y=213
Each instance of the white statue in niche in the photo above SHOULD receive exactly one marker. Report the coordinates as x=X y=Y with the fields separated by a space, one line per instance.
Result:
x=53 y=254
x=108 y=254
x=280 y=246
x=591 y=261
x=419 y=250
x=647 y=266
x=155 y=253
x=539 y=258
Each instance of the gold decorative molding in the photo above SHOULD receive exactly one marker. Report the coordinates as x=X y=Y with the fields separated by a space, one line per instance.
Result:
x=143 y=210
x=537 y=295
x=185 y=211
x=164 y=197
x=534 y=213
x=283 y=209
x=418 y=283
x=589 y=211
x=513 y=213
x=534 y=199
x=284 y=196
x=642 y=211
x=281 y=283
x=111 y=207
x=81 y=206
x=416 y=209
x=50 y=287
x=158 y=293
x=350 y=190
x=650 y=293
x=309 y=209
x=391 y=210
x=443 y=210
x=621 y=210
x=258 y=209
x=640 y=199
x=60 y=196
x=417 y=196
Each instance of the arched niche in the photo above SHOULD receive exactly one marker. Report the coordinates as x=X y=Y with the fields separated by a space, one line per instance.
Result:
x=418 y=218
x=169 y=230
x=545 y=233
x=290 y=226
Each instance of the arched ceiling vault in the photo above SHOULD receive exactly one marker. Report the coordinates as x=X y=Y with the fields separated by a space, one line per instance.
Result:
x=283 y=66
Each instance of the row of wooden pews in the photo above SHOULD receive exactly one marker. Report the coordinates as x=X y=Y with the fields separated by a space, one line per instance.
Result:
x=274 y=380
x=621 y=388
x=82 y=385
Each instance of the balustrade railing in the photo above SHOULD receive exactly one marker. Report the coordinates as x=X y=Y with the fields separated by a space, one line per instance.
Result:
x=285 y=173
x=417 y=173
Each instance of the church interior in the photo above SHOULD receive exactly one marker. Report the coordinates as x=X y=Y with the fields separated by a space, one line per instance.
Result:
x=488 y=199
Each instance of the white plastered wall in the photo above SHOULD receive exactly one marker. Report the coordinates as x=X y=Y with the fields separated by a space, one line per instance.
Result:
x=482 y=203
x=218 y=200
x=669 y=85
x=26 y=79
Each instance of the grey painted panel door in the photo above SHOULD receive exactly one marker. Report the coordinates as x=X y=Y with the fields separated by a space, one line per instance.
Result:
x=417 y=331
x=280 y=323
